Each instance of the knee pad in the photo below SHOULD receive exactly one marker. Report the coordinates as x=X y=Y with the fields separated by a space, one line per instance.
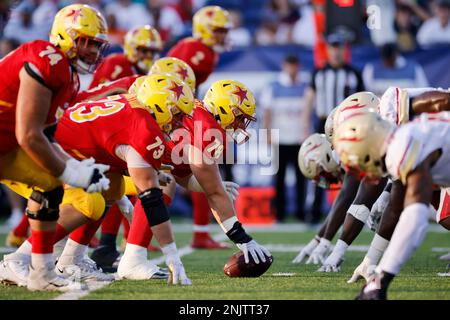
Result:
x=154 y=207
x=91 y=205
x=49 y=204
x=359 y=211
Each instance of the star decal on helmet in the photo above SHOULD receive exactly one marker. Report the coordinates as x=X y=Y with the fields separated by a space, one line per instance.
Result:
x=209 y=13
x=182 y=72
x=74 y=14
x=177 y=89
x=242 y=94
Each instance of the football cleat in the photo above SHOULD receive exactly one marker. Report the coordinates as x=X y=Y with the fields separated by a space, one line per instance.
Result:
x=105 y=257
x=14 y=241
x=46 y=279
x=14 y=269
x=86 y=270
x=202 y=241
x=137 y=269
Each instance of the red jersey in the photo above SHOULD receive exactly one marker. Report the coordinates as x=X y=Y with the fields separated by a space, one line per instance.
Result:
x=96 y=128
x=113 y=67
x=196 y=54
x=203 y=132
x=107 y=89
x=48 y=65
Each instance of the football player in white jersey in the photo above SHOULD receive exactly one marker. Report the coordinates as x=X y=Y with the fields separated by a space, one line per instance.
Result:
x=418 y=155
x=397 y=106
x=354 y=199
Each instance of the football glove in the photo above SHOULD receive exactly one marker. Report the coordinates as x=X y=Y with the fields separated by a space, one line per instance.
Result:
x=307 y=250
x=377 y=210
x=232 y=189
x=364 y=271
x=126 y=207
x=85 y=174
x=257 y=251
x=318 y=254
x=332 y=263
x=176 y=269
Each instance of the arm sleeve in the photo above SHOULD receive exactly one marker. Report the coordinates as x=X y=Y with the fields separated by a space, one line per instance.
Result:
x=131 y=157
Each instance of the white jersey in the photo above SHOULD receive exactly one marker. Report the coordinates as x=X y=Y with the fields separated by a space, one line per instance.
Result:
x=394 y=103
x=413 y=142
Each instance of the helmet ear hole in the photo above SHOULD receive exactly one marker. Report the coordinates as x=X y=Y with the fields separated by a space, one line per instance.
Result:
x=328 y=158
x=367 y=158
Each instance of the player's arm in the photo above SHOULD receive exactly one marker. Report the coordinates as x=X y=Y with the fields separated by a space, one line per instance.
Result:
x=33 y=105
x=431 y=101
x=335 y=218
x=359 y=211
x=208 y=176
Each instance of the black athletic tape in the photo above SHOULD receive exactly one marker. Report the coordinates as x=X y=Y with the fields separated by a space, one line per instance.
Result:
x=237 y=234
x=154 y=207
x=49 y=201
x=96 y=176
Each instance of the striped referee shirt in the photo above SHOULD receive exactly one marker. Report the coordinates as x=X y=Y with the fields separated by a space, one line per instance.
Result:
x=331 y=86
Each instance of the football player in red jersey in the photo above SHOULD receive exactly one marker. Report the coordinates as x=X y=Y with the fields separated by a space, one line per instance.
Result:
x=195 y=154
x=210 y=27
x=127 y=133
x=38 y=81
x=142 y=46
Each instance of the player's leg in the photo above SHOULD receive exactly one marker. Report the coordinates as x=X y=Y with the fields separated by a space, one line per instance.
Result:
x=356 y=217
x=43 y=212
x=134 y=264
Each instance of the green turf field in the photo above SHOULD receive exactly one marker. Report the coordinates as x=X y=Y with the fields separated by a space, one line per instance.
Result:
x=418 y=279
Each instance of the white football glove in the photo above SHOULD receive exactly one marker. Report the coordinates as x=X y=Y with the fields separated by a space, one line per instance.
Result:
x=364 y=271
x=126 y=207
x=332 y=263
x=177 y=273
x=232 y=189
x=85 y=174
x=307 y=250
x=319 y=253
x=257 y=251
x=377 y=210
x=164 y=178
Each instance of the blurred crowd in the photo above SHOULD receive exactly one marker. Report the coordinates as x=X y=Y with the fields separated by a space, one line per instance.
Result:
x=409 y=23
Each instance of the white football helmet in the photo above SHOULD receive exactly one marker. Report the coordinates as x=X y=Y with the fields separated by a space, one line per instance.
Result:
x=316 y=161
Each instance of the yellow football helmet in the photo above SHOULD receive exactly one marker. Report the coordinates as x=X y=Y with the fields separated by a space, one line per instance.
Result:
x=168 y=98
x=145 y=37
x=361 y=141
x=207 y=20
x=358 y=102
x=75 y=26
x=233 y=106
x=176 y=67
x=316 y=161
x=133 y=89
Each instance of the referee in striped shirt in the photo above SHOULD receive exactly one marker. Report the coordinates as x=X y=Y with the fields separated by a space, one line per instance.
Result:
x=329 y=86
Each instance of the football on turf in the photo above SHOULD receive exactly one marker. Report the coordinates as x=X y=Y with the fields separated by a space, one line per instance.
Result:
x=236 y=266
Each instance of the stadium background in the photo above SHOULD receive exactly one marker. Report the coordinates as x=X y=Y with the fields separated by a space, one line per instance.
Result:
x=255 y=60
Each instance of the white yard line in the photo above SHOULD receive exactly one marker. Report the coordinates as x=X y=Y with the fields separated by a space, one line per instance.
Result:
x=93 y=286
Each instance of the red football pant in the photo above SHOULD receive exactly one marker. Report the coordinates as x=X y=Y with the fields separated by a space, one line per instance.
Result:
x=21 y=230
x=201 y=209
